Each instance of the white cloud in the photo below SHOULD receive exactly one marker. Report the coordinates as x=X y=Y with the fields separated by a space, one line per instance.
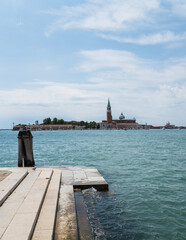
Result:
x=123 y=17
x=151 y=91
x=50 y=99
x=150 y=39
x=178 y=7
x=103 y=15
x=133 y=67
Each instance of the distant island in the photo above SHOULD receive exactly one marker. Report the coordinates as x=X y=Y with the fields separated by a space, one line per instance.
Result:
x=58 y=124
x=119 y=124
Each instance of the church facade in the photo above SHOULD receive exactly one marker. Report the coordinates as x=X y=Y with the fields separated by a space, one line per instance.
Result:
x=121 y=123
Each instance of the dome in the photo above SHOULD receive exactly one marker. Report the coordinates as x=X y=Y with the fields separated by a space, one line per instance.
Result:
x=121 y=117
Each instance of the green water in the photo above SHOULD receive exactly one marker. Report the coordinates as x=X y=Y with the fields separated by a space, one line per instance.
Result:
x=145 y=169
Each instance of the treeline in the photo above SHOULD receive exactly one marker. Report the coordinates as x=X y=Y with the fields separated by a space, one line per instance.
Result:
x=88 y=125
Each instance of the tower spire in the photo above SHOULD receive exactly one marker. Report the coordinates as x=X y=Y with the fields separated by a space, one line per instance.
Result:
x=108 y=103
x=108 y=106
x=109 y=114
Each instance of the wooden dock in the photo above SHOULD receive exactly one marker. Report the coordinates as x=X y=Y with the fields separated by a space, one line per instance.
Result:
x=39 y=203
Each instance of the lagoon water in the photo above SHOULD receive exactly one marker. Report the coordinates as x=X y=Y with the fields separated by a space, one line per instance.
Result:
x=145 y=169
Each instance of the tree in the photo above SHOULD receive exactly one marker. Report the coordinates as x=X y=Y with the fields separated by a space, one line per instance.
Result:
x=55 y=121
x=86 y=125
x=82 y=123
x=47 y=121
x=92 y=125
x=60 y=121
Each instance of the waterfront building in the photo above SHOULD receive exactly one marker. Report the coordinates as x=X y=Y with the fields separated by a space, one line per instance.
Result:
x=169 y=126
x=121 y=122
x=50 y=127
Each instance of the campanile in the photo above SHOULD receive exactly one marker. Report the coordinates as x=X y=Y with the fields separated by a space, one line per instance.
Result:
x=109 y=114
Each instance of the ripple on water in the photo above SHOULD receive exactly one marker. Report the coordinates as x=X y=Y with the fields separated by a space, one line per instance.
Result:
x=144 y=169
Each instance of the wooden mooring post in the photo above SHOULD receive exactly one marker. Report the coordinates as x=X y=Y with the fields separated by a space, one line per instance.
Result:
x=25 y=142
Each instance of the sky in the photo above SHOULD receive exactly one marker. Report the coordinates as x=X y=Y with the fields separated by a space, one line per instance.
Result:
x=65 y=58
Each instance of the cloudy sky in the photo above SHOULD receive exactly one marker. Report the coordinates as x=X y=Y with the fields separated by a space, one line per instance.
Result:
x=64 y=58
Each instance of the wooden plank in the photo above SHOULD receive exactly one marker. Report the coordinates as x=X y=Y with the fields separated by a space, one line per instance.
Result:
x=9 y=184
x=67 y=177
x=92 y=174
x=94 y=179
x=80 y=176
x=46 y=221
x=23 y=223
x=90 y=169
x=99 y=186
x=4 y=174
x=12 y=204
x=85 y=232
x=66 y=227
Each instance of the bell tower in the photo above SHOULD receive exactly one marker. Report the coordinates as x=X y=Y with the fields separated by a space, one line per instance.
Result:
x=109 y=114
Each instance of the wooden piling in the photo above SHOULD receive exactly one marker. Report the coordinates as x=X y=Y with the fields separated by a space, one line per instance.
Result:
x=25 y=148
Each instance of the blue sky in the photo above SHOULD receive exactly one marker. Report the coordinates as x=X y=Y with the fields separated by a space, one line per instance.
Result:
x=65 y=58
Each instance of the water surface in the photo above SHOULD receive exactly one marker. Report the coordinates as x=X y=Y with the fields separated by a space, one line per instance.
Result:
x=145 y=169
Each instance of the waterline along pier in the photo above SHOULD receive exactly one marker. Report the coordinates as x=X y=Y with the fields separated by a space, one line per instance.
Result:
x=46 y=202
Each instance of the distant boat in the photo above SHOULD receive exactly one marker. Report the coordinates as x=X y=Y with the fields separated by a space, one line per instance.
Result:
x=163 y=128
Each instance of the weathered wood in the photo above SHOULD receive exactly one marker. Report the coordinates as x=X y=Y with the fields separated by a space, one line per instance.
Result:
x=83 y=177
x=89 y=177
x=67 y=177
x=8 y=184
x=45 y=225
x=66 y=227
x=25 y=148
x=85 y=232
x=23 y=223
x=12 y=204
x=79 y=176
x=102 y=187
x=4 y=174
x=30 y=211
